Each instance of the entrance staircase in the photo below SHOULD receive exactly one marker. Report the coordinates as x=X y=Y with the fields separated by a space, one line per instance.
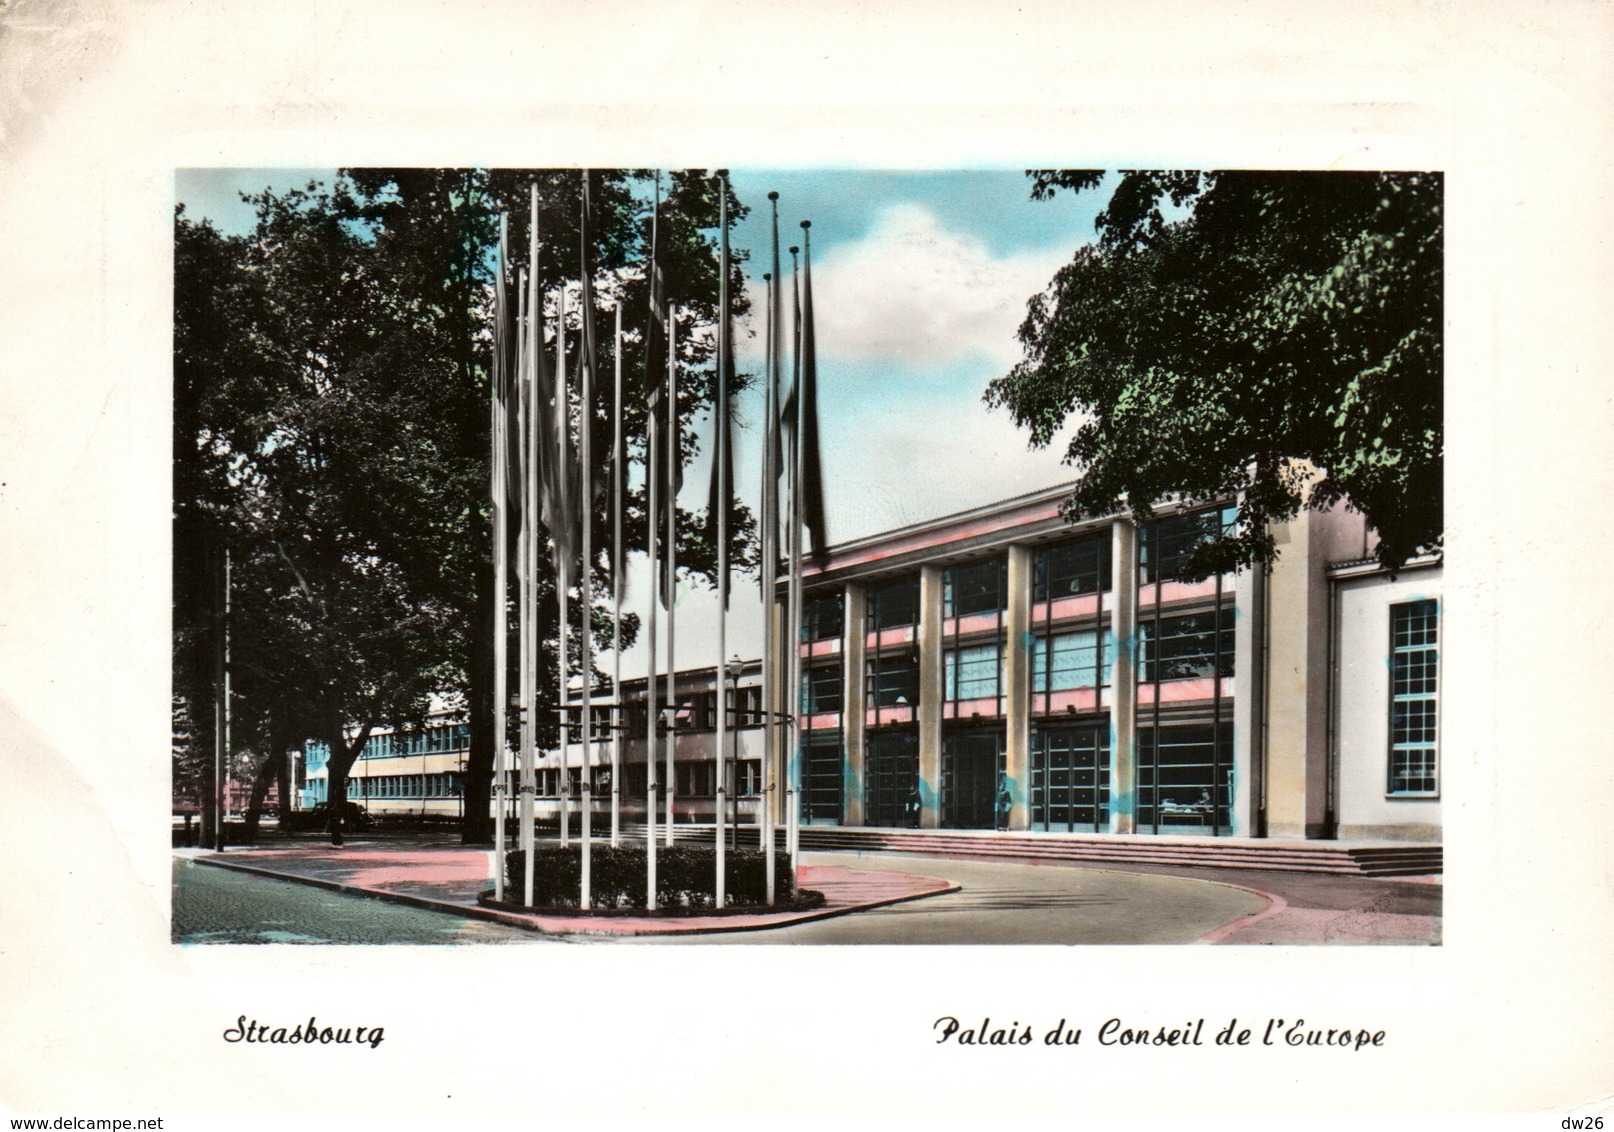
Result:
x=1340 y=858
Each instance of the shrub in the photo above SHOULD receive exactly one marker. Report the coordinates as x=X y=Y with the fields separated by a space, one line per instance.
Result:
x=685 y=877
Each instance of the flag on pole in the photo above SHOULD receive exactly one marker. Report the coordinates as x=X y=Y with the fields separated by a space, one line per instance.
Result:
x=772 y=453
x=561 y=482
x=552 y=437
x=506 y=370
x=588 y=343
x=717 y=498
x=655 y=384
x=812 y=474
x=787 y=409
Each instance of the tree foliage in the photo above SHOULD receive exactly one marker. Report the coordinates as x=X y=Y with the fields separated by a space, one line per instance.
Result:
x=331 y=430
x=1274 y=337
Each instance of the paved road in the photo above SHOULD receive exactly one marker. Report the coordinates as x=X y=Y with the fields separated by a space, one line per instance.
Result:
x=1029 y=904
x=1000 y=903
x=219 y=906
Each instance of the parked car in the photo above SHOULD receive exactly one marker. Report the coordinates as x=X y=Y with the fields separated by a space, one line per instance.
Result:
x=354 y=817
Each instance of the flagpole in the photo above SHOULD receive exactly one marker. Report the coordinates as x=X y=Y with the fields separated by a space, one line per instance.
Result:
x=618 y=483
x=651 y=689
x=793 y=817
x=221 y=772
x=674 y=460
x=721 y=501
x=498 y=391
x=563 y=563
x=585 y=445
x=769 y=568
x=526 y=537
x=652 y=476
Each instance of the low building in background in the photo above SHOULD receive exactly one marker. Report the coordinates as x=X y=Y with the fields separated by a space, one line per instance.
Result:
x=416 y=773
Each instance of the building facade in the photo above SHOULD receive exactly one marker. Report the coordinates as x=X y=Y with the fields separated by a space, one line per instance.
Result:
x=1002 y=668
x=399 y=773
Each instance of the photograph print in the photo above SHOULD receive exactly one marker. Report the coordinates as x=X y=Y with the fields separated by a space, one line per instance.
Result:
x=807 y=556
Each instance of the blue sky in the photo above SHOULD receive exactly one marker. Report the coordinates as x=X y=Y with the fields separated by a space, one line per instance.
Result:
x=920 y=280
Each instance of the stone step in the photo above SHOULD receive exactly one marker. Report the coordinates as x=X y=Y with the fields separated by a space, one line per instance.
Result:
x=1284 y=856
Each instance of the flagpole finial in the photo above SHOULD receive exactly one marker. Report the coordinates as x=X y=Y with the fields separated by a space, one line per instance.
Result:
x=806 y=223
x=773 y=196
x=794 y=249
x=766 y=277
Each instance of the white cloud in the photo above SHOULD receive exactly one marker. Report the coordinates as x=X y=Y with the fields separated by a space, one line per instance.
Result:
x=934 y=458
x=915 y=293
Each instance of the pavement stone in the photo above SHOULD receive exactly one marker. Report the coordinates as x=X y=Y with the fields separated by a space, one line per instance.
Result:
x=453 y=877
x=1001 y=902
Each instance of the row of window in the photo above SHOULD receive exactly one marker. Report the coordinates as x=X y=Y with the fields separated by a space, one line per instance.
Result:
x=1186 y=646
x=404 y=786
x=690 y=779
x=1183 y=647
x=696 y=711
x=697 y=779
x=1081 y=566
x=433 y=740
x=1183 y=786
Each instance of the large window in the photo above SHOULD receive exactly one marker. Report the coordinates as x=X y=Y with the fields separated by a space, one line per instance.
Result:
x=822 y=771
x=1164 y=545
x=894 y=604
x=973 y=787
x=976 y=588
x=1070 y=778
x=821 y=689
x=1080 y=567
x=1186 y=647
x=973 y=672
x=821 y=617
x=891 y=779
x=1414 y=657
x=1185 y=779
x=745 y=706
x=893 y=680
x=1064 y=661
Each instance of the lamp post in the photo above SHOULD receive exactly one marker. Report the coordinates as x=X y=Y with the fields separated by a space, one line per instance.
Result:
x=731 y=695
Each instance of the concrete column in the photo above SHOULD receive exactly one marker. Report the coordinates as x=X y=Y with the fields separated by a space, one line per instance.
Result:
x=1297 y=668
x=1121 y=649
x=1249 y=699
x=854 y=696
x=1017 y=680
x=931 y=689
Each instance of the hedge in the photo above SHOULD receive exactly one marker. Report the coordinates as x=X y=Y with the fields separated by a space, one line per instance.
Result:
x=686 y=877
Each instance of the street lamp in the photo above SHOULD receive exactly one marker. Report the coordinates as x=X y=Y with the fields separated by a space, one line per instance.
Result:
x=732 y=671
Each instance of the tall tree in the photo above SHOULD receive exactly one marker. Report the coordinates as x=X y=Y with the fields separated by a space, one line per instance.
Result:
x=331 y=427
x=1271 y=336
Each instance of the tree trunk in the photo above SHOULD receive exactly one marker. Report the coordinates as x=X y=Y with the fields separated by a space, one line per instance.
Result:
x=274 y=765
x=285 y=784
x=201 y=784
x=343 y=756
x=476 y=827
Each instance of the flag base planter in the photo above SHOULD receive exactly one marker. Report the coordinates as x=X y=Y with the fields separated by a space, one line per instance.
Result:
x=686 y=878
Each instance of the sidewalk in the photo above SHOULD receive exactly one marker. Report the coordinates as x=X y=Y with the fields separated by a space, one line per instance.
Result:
x=450 y=878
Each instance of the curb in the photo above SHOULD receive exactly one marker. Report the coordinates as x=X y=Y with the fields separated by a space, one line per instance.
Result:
x=1275 y=905
x=536 y=924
